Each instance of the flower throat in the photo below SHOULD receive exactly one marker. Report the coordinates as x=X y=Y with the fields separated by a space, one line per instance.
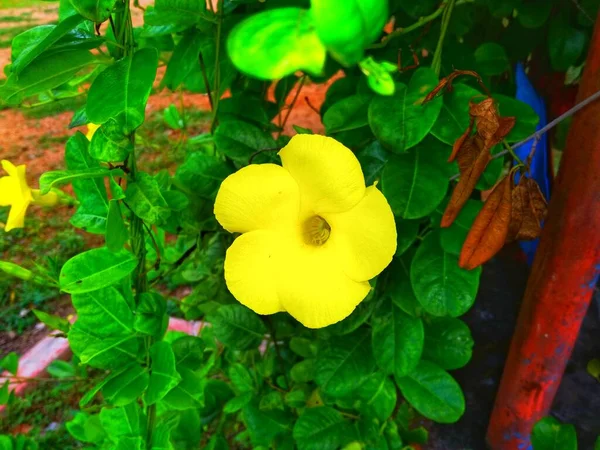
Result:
x=316 y=231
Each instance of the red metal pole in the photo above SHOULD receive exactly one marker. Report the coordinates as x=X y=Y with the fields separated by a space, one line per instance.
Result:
x=562 y=279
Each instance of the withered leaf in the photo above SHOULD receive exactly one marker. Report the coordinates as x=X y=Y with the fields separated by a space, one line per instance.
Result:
x=490 y=228
x=473 y=152
x=529 y=211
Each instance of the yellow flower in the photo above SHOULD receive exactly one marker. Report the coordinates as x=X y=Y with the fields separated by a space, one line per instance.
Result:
x=16 y=193
x=91 y=129
x=312 y=233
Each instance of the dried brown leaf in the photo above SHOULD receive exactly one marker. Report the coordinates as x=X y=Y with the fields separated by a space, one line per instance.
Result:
x=488 y=232
x=529 y=211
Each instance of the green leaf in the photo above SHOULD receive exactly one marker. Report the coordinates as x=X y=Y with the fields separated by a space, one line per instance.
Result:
x=53 y=322
x=565 y=43
x=414 y=183
x=401 y=121
x=91 y=193
x=304 y=347
x=417 y=9
x=172 y=117
x=145 y=200
x=184 y=58
x=104 y=311
x=237 y=403
x=117 y=233
x=189 y=393
x=163 y=376
x=102 y=351
x=349 y=113
x=151 y=318
x=303 y=371
x=264 y=426
x=86 y=428
x=10 y=363
x=237 y=327
x=240 y=377
x=181 y=12
x=44 y=73
x=15 y=270
x=379 y=75
x=276 y=43
x=397 y=342
x=454 y=116
x=378 y=396
x=31 y=52
x=534 y=14
x=373 y=159
x=57 y=178
x=189 y=352
x=110 y=142
x=239 y=140
x=527 y=119
x=95 y=10
x=363 y=22
x=550 y=434
x=502 y=8
x=491 y=59
x=122 y=421
x=201 y=174
x=406 y=234
x=448 y=342
x=400 y=289
x=433 y=393
x=441 y=287
x=321 y=428
x=126 y=387
x=344 y=363
x=95 y=269
x=123 y=88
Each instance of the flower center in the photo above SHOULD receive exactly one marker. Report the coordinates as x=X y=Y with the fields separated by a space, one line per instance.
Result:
x=316 y=231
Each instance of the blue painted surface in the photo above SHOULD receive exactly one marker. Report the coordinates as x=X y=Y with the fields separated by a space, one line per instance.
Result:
x=540 y=165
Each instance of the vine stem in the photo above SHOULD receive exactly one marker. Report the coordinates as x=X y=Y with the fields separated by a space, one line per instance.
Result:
x=294 y=100
x=538 y=134
x=217 y=81
x=436 y=64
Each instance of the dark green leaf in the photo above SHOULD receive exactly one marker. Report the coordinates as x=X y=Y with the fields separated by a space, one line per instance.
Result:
x=441 y=287
x=151 y=318
x=189 y=393
x=126 y=387
x=264 y=426
x=372 y=159
x=491 y=59
x=400 y=289
x=448 y=342
x=378 y=396
x=145 y=200
x=201 y=174
x=454 y=116
x=565 y=43
x=401 y=121
x=349 y=113
x=453 y=237
x=181 y=12
x=189 y=352
x=534 y=14
x=433 y=392
x=397 y=342
x=550 y=434
x=184 y=58
x=237 y=327
x=239 y=140
x=527 y=119
x=95 y=10
x=95 y=269
x=237 y=403
x=344 y=363
x=321 y=428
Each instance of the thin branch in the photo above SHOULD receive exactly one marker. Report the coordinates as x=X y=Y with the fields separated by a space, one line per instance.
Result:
x=206 y=82
x=262 y=150
x=289 y=111
x=177 y=263
x=310 y=105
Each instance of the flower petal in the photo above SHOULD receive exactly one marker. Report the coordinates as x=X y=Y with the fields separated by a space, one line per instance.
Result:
x=328 y=174
x=17 y=174
x=313 y=288
x=16 y=216
x=9 y=190
x=365 y=236
x=259 y=196
x=250 y=270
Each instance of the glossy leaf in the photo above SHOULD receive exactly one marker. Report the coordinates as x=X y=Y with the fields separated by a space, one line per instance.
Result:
x=189 y=393
x=565 y=43
x=441 y=287
x=448 y=342
x=550 y=434
x=163 y=376
x=265 y=426
x=117 y=233
x=344 y=363
x=58 y=178
x=491 y=59
x=95 y=269
x=184 y=58
x=122 y=421
x=276 y=43
x=146 y=201
x=433 y=393
x=321 y=428
x=126 y=387
x=237 y=327
x=401 y=121
x=349 y=113
x=454 y=115
x=110 y=143
x=123 y=88
x=526 y=118
x=95 y=10
x=201 y=174
x=414 y=183
x=44 y=73
x=189 y=351
x=397 y=342
x=453 y=237
x=378 y=396
x=240 y=140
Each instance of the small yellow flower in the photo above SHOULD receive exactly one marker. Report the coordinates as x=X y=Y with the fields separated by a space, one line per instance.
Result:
x=16 y=193
x=313 y=234
x=91 y=129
